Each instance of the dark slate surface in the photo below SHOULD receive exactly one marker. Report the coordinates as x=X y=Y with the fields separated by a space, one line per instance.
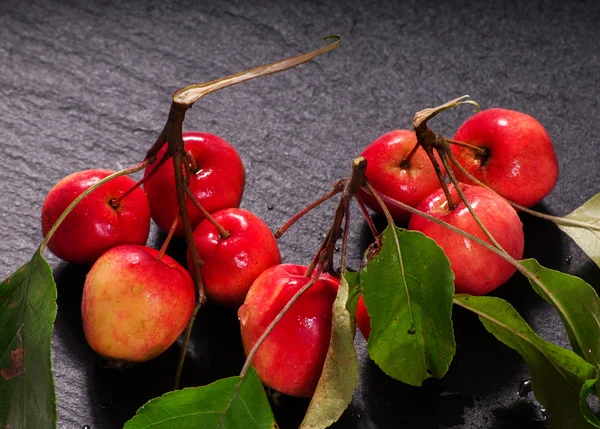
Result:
x=87 y=84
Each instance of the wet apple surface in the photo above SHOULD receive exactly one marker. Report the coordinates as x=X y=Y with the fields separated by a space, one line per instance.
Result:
x=89 y=87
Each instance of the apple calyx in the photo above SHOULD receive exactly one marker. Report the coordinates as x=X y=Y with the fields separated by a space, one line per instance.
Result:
x=405 y=164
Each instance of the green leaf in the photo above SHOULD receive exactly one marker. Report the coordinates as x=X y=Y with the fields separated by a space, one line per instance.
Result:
x=586 y=238
x=27 y=313
x=339 y=377
x=578 y=305
x=232 y=403
x=557 y=374
x=407 y=285
x=588 y=388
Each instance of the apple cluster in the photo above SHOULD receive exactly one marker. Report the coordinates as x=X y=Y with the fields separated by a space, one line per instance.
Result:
x=137 y=301
x=503 y=156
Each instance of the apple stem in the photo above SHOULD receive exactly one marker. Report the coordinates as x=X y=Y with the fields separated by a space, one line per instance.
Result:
x=334 y=233
x=158 y=144
x=192 y=163
x=430 y=140
x=365 y=212
x=444 y=157
x=337 y=188
x=173 y=131
x=184 y=345
x=555 y=219
x=164 y=246
x=441 y=178
x=318 y=256
x=276 y=320
x=116 y=201
x=480 y=150
x=406 y=162
x=357 y=178
x=351 y=187
x=84 y=194
x=345 y=233
x=222 y=231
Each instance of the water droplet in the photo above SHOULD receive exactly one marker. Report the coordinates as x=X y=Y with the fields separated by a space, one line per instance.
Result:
x=337 y=248
x=568 y=260
x=86 y=427
x=543 y=414
x=243 y=314
x=525 y=388
x=270 y=207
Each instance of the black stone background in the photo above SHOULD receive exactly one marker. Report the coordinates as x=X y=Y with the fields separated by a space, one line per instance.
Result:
x=86 y=84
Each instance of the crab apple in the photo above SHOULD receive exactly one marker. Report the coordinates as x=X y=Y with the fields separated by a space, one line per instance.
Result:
x=217 y=182
x=390 y=173
x=477 y=270
x=518 y=160
x=94 y=225
x=231 y=264
x=291 y=358
x=362 y=318
x=135 y=305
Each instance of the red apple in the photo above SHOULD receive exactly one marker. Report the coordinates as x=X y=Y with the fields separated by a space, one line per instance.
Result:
x=387 y=174
x=94 y=225
x=362 y=318
x=519 y=161
x=135 y=305
x=291 y=358
x=217 y=184
x=477 y=270
x=232 y=264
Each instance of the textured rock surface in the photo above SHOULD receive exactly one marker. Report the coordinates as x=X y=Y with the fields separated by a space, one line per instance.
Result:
x=88 y=83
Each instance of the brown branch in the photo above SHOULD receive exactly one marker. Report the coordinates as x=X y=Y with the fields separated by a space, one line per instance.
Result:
x=192 y=93
x=365 y=212
x=337 y=188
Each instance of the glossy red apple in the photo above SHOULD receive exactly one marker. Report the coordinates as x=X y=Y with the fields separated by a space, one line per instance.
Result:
x=386 y=171
x=232 y=264
x=94 y=225
x=519 y=160
x=291 y=358
x=477 y=270
x=362 y=318
x=134 y=305
x=217 y=184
